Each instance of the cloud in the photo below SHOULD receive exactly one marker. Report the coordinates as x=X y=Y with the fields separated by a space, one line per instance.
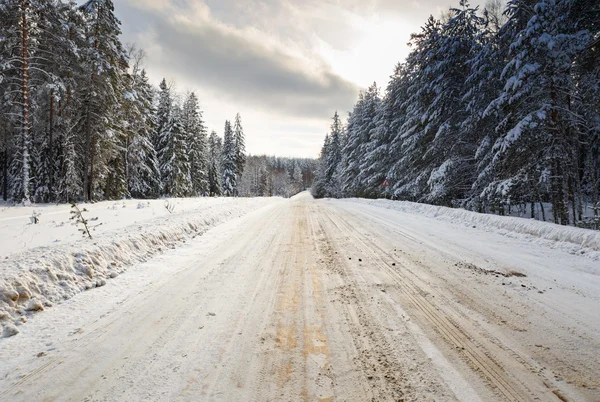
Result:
x=241 y=64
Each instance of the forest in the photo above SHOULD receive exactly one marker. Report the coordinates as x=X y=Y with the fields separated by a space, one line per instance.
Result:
x=493 y=109
x=80 y=120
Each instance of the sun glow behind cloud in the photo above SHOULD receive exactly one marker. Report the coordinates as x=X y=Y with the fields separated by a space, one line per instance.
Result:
x=382 y=44
x=285 y=65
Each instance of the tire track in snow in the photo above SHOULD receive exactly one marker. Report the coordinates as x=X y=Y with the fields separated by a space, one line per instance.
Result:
x=509 y=385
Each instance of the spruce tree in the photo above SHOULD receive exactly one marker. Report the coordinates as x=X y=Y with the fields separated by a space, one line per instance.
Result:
x=197 y=145
x=174 y=160
x=214 y=164
x=105 y=62
x=240 y=146
x=229 y=159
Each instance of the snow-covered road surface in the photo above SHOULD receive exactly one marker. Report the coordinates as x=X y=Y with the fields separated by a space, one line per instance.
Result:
x=324 y=300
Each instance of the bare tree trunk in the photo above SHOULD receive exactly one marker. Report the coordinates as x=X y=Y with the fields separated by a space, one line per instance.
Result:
x=543 y=211
x=532 y=210
x=559 y=209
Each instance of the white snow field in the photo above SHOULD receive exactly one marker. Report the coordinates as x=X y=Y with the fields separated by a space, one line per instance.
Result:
x=324 y=300
x=51 y=261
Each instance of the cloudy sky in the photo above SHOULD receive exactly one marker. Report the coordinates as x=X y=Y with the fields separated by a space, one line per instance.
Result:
x=284 y=65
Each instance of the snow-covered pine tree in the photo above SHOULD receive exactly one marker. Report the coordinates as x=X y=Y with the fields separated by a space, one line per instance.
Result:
x=297 y=178
x=163 y=112
x=482 y=85
x=349 y=166
x=254 y=179
x=197 y=145
x=174 y=160
x=18 y=43
x=448 y=151
x=586 y=104
x=105 y=61
x=539 y=87
x=333 y=157
x=367 y=182
x=240 y=146
x=52 y=56
x=69 y=152
x=414 y=133
x=385 y=144
x=319 y=187
x=229 y=160
x=142 y=169
x=9 y=18
x=214 y=164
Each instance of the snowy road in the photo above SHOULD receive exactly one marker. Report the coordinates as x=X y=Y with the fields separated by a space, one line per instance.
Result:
x=324 y=300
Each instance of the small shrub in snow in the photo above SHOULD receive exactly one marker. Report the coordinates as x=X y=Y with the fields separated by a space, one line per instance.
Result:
x=169 y=206
x=77 y=216
x=35 y=217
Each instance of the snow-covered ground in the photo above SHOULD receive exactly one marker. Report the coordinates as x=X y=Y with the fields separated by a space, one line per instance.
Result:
x=51 y=261
x=329 y=300
x=571 y=239
x=18 y=233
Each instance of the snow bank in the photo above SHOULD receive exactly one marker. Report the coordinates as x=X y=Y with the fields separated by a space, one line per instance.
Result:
x=36 y=278
x=573 y=239
x=54 y=226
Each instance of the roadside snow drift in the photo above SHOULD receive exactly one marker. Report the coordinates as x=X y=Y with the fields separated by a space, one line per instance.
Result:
x=574 y=240
x=35 y=278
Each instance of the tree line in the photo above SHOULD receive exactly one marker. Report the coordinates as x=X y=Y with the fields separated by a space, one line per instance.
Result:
x=266 y=176
x=490 y=110
x=79 y=119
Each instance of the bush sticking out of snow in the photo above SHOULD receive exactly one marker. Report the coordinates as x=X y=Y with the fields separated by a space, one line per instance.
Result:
x=40 y=276
x=35 y=217
x=570 y=238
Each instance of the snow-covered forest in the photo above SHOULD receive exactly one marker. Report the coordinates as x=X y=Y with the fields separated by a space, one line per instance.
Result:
x=275 y=176
x=493 y=108
x=79 y=119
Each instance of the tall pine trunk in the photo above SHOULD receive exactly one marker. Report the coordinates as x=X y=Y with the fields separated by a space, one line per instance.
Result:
x=50 y=148
x=25 y=126
x=559 y=209
x=90 y=135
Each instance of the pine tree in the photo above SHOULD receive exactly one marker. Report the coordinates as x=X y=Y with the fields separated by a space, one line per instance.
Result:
x=333 y=157
x=214 y=164
x=229 y=162
x=240 y=146
x=360 y=131
x=142 y=168
x=163 y=113
x=105 y=61
x=19 y=44
x=197 y=145
x=69 y=144
x=297 y=182
x=319 y=188
x=174 y=160
x=539 y=84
